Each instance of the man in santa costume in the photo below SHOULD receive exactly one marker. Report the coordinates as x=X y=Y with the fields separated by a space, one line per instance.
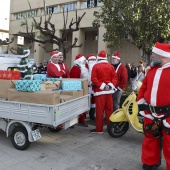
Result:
x=63 y=66
x=122 y=76
x=104 y=80
x=53 y=68
x=91 y=61
x=154 y=104
x=79 y=70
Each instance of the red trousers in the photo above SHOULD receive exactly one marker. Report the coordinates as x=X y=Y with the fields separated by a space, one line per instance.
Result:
x=104 y=104
x=151 y=150
x=82 y=118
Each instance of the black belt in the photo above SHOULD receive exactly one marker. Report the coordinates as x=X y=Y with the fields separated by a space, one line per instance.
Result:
x=154 y=109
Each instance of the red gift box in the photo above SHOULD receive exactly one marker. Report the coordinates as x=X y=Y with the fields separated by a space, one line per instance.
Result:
x=10 y=75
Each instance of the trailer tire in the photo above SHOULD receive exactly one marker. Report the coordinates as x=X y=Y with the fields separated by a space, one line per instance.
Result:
x=19 y=138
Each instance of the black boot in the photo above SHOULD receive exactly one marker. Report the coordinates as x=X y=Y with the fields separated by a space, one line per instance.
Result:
x=92 y=113
x=149 y=167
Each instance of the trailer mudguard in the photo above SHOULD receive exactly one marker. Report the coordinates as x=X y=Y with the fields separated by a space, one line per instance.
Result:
x=28 y=127
x=118 y=116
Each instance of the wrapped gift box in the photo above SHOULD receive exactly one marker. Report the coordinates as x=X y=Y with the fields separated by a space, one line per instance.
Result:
x=39 y=77
x=84 y=83
x=43 y=77
x=51 y=79
x=71 y=85
x=50 y=85
x=38 y=97
x=28 y=85
x=10 y=75
x=5 y=85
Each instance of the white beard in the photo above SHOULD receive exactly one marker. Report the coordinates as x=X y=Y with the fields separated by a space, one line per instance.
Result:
x=84 y=71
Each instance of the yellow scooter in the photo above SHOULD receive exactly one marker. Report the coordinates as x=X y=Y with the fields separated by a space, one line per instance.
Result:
x=121 y=119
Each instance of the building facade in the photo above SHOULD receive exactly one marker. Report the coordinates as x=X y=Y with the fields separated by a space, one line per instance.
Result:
x=91 y=38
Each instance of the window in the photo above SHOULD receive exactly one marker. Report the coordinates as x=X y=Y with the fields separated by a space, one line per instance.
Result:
x=91 y=3
x=26 y=14
x=52 y=9
x=70 y=7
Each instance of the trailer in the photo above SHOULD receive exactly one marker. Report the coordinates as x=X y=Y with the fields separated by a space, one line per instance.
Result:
x=22 y=120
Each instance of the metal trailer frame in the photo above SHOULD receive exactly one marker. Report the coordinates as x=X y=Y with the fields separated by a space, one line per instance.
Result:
x=21 y=120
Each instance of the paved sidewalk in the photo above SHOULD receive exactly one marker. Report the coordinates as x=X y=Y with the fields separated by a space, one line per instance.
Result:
x=75 y=149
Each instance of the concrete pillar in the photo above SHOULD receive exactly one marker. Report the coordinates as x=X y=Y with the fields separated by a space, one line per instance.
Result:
x=77 y=50
x=39 y=55
x=78 y=5
x=101 y=44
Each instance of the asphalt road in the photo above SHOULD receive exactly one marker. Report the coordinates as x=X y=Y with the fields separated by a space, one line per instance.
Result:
x=75 y=149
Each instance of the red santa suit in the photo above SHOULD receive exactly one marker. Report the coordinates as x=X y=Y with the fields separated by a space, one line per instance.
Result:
x=63 y=66
x=122 y=75
x=54 y=70
x=79 y=70
x=155 y=91
x=103 y=75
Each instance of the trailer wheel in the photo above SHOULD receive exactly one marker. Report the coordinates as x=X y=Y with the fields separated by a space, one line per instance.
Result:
x=19 y=138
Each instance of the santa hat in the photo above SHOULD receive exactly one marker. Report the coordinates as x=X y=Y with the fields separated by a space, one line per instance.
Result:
x=90 y=56
x=79 y=58
x=102 y=55
x=54 y=53
x=116 y=55
x=162 y=49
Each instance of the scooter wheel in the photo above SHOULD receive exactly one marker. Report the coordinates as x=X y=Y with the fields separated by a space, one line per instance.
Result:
x=117 y=129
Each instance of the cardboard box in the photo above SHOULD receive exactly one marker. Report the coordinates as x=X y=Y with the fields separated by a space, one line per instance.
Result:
x=64 y=98
x=5 y=85
x=38 y=97
x=74 y=94
x=83 y=81
x=50 y=85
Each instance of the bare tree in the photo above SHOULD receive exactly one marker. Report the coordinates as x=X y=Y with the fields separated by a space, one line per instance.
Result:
x=6 y=42
x=47 y=31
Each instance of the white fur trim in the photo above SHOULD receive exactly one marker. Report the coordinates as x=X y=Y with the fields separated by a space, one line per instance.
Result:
x=161 y=52
x=120 y=89
x=102 y=86
x=166 y=124
x=54 y=55
x=115 y=57
x=91 y=57
x=59 y=53
x=141 y=101
x=118 y=67
x=155 y=87
x=102 y=58
x=104 y=92
x=110 y=84
x=57 y=65
x=146 y=115
x=155 y=115
x=80 y=60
